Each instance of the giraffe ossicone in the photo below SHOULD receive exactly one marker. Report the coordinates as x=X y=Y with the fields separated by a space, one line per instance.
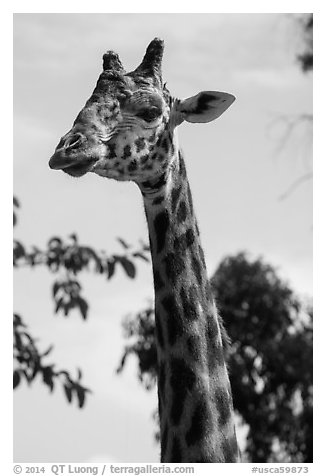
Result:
x=127 y=131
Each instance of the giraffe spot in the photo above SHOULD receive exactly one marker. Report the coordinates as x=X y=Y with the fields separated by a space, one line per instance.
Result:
x=188 y=303
x=182 y=212
x=112 y=153
x=193 y=345
x=190 y=237
x=174 y=320
x=132 y=166
x=140 y=144
x=176 y=454
x=182 y=381
x=161 y=157
x=144 y=159
x=174 y=266
x=161 y=225
x=164 y=144
x=197 y=269
x=175 y=197
x=223 y=405
x=158 y=200
x=158 y=330
x=158 y=282
x=200 y=424
x=126 y=152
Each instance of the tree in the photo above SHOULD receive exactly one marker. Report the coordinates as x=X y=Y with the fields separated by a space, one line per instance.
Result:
x=66 y=259
x=270 y=359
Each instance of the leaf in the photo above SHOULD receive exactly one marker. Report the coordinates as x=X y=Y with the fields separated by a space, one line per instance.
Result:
x=128 y=266
x=74 y=238
x=55 y=242
x=68 y=391
x=83 y=306
x=80 y=374
x=80 y=395
x=56 y=286
x=123 y=243
x=141 y=255
x=19 y=250
x=48 y=377
x=16 y=378
x=47 y=352
x=16 y=202
x=111 y=267
x=58 y=305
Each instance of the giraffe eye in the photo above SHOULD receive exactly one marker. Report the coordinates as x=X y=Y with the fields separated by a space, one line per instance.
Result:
x=149 y=114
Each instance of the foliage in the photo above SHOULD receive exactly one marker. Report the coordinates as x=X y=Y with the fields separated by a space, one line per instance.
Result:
x=65 y=259
x=305 y=58
x=270 y=359
x=29 y=364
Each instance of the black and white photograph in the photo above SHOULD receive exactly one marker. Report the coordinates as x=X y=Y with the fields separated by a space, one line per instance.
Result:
x=162 y=239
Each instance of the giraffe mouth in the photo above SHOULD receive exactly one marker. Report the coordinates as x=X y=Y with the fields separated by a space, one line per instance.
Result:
x=78 y=170
x=75 y=169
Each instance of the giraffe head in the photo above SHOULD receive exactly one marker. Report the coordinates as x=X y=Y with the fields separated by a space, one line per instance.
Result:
x=125 y=131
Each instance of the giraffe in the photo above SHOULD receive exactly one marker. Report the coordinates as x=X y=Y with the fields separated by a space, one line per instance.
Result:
x=127 y=131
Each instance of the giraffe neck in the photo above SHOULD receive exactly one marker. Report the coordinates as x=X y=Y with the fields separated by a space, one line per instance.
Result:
x=195 y=403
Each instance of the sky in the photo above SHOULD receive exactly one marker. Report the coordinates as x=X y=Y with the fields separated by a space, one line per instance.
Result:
x=238 y=167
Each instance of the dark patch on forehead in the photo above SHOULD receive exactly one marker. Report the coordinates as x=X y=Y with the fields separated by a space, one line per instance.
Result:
x=174 y=266
x=182 y=381
x=182 y=212
x=200 y=424
x=223 y=403
x=188 y=301
x=175 y=195
x=173 y=318
x=161 y=225
x=176 y=454
x=159 y=331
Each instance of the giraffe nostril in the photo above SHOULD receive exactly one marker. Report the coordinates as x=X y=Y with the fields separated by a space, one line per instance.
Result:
x=73 y=141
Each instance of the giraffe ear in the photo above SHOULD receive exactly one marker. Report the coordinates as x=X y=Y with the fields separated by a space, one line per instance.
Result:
x=205 y=106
